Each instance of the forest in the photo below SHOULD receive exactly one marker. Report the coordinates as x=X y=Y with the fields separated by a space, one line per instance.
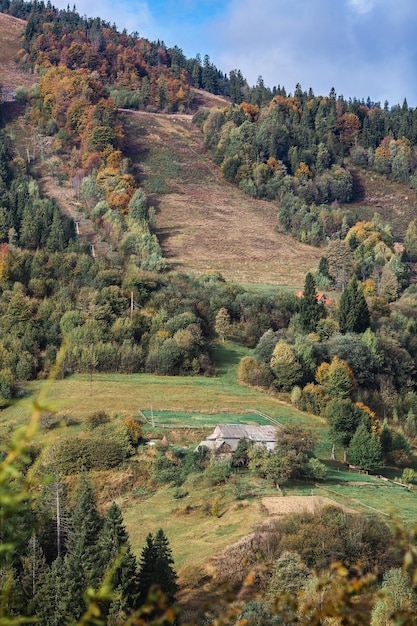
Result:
x=342 y=349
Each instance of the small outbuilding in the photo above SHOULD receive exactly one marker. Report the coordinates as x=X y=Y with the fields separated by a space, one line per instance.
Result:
x=225 y=438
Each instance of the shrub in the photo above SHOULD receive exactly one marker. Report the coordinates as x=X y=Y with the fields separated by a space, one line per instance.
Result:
x=164 y=470
x=78 y=454
x=218 y=472
x=97 y=419
x=315 y=470
x=252 y=372
x=409 y=476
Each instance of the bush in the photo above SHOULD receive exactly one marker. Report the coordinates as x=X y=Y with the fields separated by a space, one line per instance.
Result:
x=165 y=470
x=97 y=419
x=218 y=472
x=78 y=454
x=316 y=470
x=252 y=372
x=408 y=476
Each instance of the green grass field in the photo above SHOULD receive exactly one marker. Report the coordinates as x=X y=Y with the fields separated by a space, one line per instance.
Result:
x=197 y=402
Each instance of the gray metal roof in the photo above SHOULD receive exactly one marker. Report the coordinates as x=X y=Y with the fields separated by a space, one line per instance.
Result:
x=240 y=431
x=232 y=433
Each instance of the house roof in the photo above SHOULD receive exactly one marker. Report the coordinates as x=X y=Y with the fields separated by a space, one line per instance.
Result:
x=232 y=433
x=320 y=297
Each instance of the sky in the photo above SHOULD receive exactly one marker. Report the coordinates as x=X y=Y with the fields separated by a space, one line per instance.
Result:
x=362 y=48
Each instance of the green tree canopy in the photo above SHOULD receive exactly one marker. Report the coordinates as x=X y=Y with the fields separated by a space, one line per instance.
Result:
x=365 y=449
x=310 y=309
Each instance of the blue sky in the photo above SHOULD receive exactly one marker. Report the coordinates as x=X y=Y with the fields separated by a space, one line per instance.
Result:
x=360 y=47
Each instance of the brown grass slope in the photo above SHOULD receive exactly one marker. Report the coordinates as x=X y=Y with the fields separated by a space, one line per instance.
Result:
x=204 y=223
x=11 y=76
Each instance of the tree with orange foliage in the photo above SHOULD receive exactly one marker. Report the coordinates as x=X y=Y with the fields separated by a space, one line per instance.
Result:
x=250 y=110
x=348 y=128
x=336 y=378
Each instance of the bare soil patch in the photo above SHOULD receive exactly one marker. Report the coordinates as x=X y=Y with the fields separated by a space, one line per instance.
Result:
x=204 y=223
x=285 y=505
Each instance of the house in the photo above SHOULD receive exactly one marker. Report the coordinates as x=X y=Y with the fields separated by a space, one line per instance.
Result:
x=320 y=297
x=225 y=438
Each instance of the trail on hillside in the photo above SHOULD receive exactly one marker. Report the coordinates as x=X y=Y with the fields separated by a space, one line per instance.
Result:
x=204 y=223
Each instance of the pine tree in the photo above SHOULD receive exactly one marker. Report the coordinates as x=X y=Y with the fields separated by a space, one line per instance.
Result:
x=156 y=568
x=34 y=569
x=82 y=563
x=310 y=310
x=353 y=315
x=344 y=418
x=114 y=544
x=55 y=241
x=365 y=449
x=50 y=605
x=166 y=575
x=146 y=575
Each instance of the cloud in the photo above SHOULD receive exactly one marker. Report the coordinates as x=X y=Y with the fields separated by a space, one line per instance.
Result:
x=362 y=6
x=134 y=16
x=360 y=48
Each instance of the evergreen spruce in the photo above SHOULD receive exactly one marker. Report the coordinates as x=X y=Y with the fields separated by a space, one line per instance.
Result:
x=146 y=575
x=156 y=568
x=83 y=566
x=114 y=546
x=365 y=449
x=353 y=315
x=310 y=310
x=55 y=241
x=50 y=602
x=166 y=575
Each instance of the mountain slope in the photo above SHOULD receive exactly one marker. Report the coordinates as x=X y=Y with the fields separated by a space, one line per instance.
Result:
x=204 y=223
x=11 y=75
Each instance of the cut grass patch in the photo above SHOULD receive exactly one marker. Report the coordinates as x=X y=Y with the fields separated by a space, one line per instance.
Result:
x=204 y=223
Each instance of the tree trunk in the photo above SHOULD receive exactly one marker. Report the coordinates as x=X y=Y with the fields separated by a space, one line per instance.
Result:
x=332 y=455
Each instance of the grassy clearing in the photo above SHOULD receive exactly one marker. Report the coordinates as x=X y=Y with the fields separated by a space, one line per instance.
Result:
x=388 y=500
x=194 y=533
x=194 y=401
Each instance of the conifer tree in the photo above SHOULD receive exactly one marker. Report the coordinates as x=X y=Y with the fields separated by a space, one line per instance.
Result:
x=146 y=575
x=50 y=603
x=353 y=315
x=114 y=544
x=82 y=563
x=34 y=569
x=156 y=568
x=310 y=310
x=166 y=575
x=365 y=449
x=55 y=241
x=344 y=418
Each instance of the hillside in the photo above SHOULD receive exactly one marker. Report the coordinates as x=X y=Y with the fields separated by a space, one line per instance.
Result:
x=205 y=223
x=11 y=75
